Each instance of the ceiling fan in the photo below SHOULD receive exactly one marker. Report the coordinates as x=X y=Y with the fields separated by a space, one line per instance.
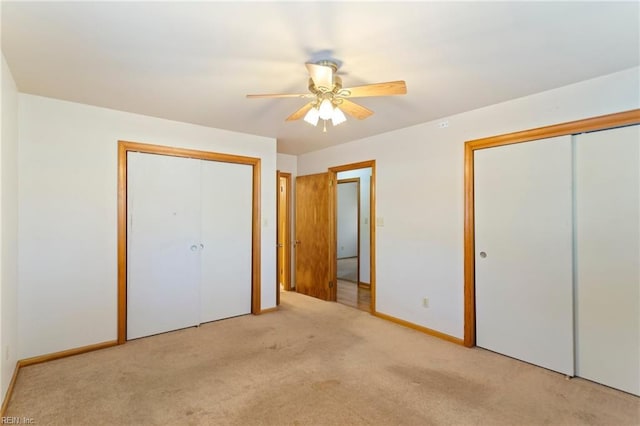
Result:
x=329 y=98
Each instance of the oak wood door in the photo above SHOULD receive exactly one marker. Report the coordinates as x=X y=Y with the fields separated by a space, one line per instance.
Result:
x=313 y=236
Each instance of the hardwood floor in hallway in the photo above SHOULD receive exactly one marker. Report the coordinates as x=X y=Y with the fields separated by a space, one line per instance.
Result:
x=350 y=294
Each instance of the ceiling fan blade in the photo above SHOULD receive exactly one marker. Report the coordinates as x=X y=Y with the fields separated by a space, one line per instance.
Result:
x=321 y=75
x=300 y=113
x=355 y=110
x=283 y=95
x=379 y=89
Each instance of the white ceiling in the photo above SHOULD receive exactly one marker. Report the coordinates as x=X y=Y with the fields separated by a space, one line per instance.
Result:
x=196 y=61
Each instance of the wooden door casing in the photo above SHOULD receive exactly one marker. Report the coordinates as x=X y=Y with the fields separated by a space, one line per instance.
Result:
x=313 y=236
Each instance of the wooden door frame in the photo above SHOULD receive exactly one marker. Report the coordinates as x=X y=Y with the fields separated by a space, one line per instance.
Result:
x=287 y=232
x=357 y=182
x=333 y=193
x=574 y=127
x=125 y=147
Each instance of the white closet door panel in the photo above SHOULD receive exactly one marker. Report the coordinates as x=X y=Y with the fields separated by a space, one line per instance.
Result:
x=227 y=190
x=523 y=217
x=164 y=226
x=608 y=257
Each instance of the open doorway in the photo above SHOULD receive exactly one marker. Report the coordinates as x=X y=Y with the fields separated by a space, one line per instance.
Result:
x=283 y=230
x=354 y=239
x=348 y=230
x=316 y=246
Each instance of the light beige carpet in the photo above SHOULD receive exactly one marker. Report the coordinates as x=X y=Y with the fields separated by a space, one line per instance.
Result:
x=311 y=363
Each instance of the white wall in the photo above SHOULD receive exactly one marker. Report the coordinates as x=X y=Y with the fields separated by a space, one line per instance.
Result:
x=68 y=214
x=287 y=163
x=419 y=191
x=365 y=211
x=8 y=229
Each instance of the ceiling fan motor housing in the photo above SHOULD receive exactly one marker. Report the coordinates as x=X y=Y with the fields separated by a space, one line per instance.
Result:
x=327 y=63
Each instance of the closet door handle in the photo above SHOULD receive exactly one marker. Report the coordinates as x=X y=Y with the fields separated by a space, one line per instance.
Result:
x=483 y=254
x=201 y=246
x=194 y=247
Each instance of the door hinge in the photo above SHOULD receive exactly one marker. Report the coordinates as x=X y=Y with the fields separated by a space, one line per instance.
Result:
x=330 y=284
x=330 y=182
x=282 y=189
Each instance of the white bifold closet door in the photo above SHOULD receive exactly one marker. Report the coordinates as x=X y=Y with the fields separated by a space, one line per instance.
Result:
x=523 y=241
x=189 y=242
x=226 y=229
x=608 y=257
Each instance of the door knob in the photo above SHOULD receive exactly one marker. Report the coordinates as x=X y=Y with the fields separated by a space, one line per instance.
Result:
x=201 y=246
x=483 y=254
x=194 y=247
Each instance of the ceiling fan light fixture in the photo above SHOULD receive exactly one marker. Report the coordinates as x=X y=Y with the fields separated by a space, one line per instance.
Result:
x=326 y=109
x=338 y=117
x=312 y=116
x=328 y=100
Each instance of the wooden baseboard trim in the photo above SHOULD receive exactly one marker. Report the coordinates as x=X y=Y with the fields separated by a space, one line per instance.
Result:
x=7 y=396
x=364 y=285
x=417 y=327
x=266 y=311
x=63 y=354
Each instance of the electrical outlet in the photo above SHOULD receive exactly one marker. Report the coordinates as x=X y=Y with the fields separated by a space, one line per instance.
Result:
x=425 y=302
